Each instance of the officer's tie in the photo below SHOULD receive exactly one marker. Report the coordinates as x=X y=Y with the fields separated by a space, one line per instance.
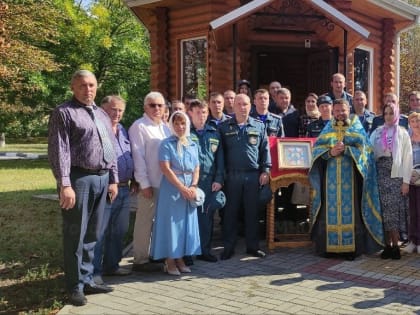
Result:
x=107 y=146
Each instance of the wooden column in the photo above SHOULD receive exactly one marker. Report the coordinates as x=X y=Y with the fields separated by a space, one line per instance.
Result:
x=388 y=57
x=159 y=52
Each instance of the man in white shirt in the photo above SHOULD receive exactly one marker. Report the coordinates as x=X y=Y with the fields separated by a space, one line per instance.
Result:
x=146 y=134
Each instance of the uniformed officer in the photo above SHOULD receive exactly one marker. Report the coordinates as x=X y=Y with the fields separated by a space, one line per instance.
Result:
x=379 y=120
x=272 y=122
x=211 y=158
x=273 y=127
x=216 y=106
x=247 y=163
x=325 y=108
x=359 y=107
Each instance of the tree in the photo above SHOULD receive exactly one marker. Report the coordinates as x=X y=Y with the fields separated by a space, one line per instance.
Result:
x=26 y=32
x=410 y=62
x=106 y=39
x=30 y=24
x=57 y=37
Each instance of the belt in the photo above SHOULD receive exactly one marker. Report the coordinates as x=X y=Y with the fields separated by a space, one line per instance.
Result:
x=242 y=171
x=99 y=172
x=180 y=173
x=123 y=184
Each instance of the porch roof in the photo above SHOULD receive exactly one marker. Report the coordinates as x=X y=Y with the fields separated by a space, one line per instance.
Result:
x=400 y=8
x=255 y=5
x=137 y=3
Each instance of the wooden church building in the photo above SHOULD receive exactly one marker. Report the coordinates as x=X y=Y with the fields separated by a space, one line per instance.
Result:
x=199 y=46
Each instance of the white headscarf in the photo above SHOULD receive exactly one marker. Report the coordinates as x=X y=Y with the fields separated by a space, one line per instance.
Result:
x=182 y=139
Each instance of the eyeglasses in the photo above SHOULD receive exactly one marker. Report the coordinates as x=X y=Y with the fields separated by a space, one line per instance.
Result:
x=153 y=105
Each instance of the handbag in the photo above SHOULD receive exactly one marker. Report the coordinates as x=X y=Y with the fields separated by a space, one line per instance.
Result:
x=415 y=175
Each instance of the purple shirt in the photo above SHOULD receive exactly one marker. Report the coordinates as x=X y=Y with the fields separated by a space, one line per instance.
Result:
x=73 y=140
x=125 y=160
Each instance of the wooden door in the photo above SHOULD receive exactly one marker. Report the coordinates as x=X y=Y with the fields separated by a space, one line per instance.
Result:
x=301 y=70
x=321 y=65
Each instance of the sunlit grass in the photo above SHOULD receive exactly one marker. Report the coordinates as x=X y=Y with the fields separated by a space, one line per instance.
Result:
x=30 y=238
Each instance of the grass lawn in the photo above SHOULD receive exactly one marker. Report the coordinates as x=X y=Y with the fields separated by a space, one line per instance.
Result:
x=31 y=278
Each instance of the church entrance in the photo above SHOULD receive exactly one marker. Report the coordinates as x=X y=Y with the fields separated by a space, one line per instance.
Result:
x=302 y=70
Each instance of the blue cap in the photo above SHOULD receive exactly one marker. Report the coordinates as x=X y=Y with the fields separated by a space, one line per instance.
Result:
x=216 y=201
x=324 y=99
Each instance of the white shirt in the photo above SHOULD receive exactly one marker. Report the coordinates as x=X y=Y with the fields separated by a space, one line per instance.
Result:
x=402 y=163
x=145 y=138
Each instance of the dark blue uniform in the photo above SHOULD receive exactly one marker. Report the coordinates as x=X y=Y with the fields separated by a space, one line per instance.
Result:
x=379 y=121
x=272 y=106
x=315 y=127
x=367 y=120
x=215 y=122
x=247 y=155
x=348 y=97
x=210 y=154
x=273 y=123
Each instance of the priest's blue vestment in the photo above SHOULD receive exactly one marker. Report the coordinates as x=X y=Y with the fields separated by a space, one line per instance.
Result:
x=345 y=212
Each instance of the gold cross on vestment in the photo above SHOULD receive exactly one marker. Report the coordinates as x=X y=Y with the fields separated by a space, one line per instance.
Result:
x=341 y=128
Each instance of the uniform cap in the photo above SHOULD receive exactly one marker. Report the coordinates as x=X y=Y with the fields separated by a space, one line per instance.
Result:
x=244 y=82
x=325 y=99
x=216 y=201
x=265 y=194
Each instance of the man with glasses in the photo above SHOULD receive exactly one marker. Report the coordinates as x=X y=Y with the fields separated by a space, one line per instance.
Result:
x=146 y=134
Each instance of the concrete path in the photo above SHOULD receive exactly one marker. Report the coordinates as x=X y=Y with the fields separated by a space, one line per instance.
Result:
x=21 y=156
x=288 y=281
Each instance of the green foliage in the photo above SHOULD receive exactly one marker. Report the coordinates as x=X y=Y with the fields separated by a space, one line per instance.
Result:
x=109 y=41
x=50 y=39
x=19 y=120
x=27 y=34
x=409 y=62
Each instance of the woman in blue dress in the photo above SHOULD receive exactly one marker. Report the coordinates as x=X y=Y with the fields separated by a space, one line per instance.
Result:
x=175 y=231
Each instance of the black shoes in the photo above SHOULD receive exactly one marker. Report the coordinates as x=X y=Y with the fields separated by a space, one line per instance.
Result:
x=97 y=288
x=256 y=253
x=207 y=257
x=391 y=252
x=395 y=252
x=227 y=254
x=188 y=260
x=77 y=298
x=386 y=253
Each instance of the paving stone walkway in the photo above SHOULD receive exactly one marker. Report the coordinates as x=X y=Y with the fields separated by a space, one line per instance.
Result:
x=288 y=281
